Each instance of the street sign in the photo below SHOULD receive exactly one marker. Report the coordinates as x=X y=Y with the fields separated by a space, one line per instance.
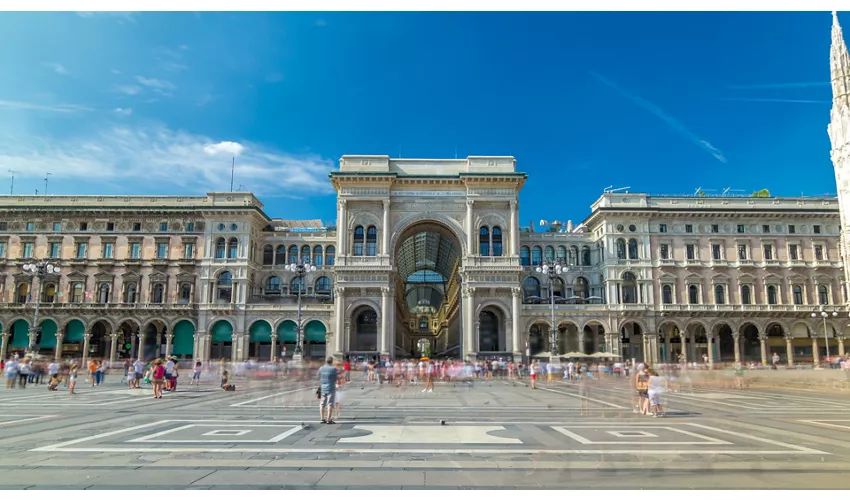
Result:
x=128 y=346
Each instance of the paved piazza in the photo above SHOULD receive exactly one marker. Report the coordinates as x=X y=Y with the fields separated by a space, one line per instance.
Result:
x=497 y=434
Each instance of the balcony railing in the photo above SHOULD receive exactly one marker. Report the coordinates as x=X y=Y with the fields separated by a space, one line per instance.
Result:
x=363 y=261
x=750 y=308
x=47 y=306
x=502 y=261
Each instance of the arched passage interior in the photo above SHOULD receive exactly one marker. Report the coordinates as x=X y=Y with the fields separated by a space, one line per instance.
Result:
x=221 y=340
x=260 y=340
x=183 y=343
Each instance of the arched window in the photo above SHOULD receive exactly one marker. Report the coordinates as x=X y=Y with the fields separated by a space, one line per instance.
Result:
x=530 y=288
x=488 y=332
x=185 y=293
x=580 y=287
x=693 y=294
x=423 y=322
x=719 y=294
x=330 y=255
x=797 y=291
x=158 y=293
x=232 y=248
x=358 y=240
x=562 y=253
x=666 y=294
x=130 y=293
x=224 y=287
x=484 y=241
x=305 y=253
x=524 y=256
x=318 y=260
x=497 y=241
x=536 y=256
x=323 y=285
x=366 y=331
x=746 y=295
x=573 y=260
x=585 y=255
x=771 y=294
x=633 y=249
x=280 y=255
x=103 y=293
x=49 y=293
x=268 y=255
x=823 y=295
x=220 y=248
x=372 y=241
x=621 y=249
x=293 y=254
x=77 y=293
x=558 y=287
x=629 y=288
x=273 y=285
x=297 y=286
x=550 y=253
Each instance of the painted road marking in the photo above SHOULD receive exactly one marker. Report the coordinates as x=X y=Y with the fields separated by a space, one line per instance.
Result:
x=245 y=428
x=420 y=434
x=702 y=440
x=243 y=403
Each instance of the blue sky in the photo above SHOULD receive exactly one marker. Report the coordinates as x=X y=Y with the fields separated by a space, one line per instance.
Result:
x=151 y=103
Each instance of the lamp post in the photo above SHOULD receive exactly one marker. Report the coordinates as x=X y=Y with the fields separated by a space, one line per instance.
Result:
x=460 y=317
x=300 y=271
x=552 y=270
x=825 y=315
x=38 y=269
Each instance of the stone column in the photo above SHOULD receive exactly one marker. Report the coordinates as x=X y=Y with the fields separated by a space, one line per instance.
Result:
x=668 y=348
x=113 y=346
x=4 y=344
x=468 y=321
x=385 y=236
x=736 y=338
x=763 y=342
x=841 y=346
x=274 y=347
x=516 y=312
x=710 y=338
x=652 y=349
x=342 y=229
x=684 y=337
x=86 y=338
x=235 y=338
x=169 y=338
x=386 y=348
x=815 y=351
x=200 y=351
x=514 y=228
x=580 y=343
x=339 y=320
x=141 y=341
x=789 y=350
x=470 y=229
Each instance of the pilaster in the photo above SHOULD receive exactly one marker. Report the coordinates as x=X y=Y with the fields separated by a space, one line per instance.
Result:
x=736 y=338
x=789 y=349
x=763 y=346
x=59 y=338
x=86 y=339
x=516 y=312
x=4 y=345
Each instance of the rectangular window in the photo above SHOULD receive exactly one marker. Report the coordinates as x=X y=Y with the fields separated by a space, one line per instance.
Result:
x=82 y=250
x=188 y=250
x=162 y=250
x=57 y=226
x=715 y=228
x=4 y=226
x=768 y=252
x=819 y=252
x=665 y=251
x=715 y=252
x=54 y=250
x=792 y=229
x=765 y=228
x=741 y=228
x=30 y=226
x=110 y=226
x=135 y=250
x=108 y=250
x=84 y=226
x=793 y=252
x=163 y=227
x=662 y=228
x=689 y=228
x=816 y=228
x=190 y=227
x=137 y=226
x=2 y=250
x=690 y=252
x=742 y=252
x=27 y=250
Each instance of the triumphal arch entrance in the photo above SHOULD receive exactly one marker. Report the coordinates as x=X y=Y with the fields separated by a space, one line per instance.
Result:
x=428 y=257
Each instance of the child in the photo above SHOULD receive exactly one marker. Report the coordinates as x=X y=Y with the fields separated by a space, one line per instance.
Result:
x=131 y=379
x=53 y=383
x=73 y=378
x=224 y=385
x=196 y=374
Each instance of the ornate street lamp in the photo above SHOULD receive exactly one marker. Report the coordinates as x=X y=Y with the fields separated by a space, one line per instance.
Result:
x=825 y=315
x=300 y=271
x=552 y=270
x=38 y=269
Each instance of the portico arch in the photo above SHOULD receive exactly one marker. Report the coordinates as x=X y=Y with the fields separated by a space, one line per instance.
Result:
x=492 y=329
x=568 y=337
x=221 y=339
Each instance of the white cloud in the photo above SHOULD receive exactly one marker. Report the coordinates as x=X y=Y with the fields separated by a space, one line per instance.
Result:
x=184 y=47
x=128 y=89
x=121 y=16
x=173 y=66
x=124 y=111
x=155 y=83
x=56 y=108
x=58 y=68
x=124 y=159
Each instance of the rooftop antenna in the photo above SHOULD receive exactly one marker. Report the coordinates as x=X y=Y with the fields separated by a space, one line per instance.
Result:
x=232 y=169
x=730 y=190
x=12 y=189
x=45 y=182
x=609 y=190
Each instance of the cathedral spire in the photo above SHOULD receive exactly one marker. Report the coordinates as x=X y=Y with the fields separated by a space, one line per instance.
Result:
x=839 y=68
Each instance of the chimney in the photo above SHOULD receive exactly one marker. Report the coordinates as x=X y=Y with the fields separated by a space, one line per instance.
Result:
x=569 y=226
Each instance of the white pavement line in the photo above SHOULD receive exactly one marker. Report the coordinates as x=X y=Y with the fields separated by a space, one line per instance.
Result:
x=32 y=419
x=706 y=440
x=761 y=439
x=442 y=409
x=71 y=403
x=269 y=396
x=825 y=423
x=584 y=397
x=57 y=447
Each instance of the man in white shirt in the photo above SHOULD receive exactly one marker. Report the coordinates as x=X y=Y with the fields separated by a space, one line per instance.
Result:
x=169 y=369
x=138 y=369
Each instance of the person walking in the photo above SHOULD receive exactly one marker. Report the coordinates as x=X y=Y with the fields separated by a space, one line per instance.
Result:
x=157 y=378
x=196 y=374
x=11 y=373
x=73 y=378
x=327 y=391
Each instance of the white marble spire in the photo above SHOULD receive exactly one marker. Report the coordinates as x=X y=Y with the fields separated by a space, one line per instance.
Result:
x=839 y=136
x=839 y=68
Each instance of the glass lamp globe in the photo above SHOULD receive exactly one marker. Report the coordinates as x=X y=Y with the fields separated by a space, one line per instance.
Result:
x=814 y=315
x=545 y=268
x=539 y=270
x=312 y=268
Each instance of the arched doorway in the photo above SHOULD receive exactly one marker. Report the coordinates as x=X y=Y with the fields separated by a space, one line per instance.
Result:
x=315 y=339
x=46 y=340
x=260 y=340
x=128 y=340
x=776 y=341
x=154 y=342
x=669 y=344
x=568 y=338
x=699 y=336
x=99 y=342
x=725 y=351
x=221 y=340
x=364 y=335
x=183 y=343
x=631 y=341
x=491 y=331
x=20 y=340
x=594 y=336
x=72 y=342
x=538 y=339
x=287 y=337
x=750 y=345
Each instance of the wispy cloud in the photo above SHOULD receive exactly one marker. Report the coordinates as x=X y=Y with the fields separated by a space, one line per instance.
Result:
x=121 y=16
x=58 y=68
x=124 y=111
x=55 y=108
x=206 y=99
x=671 y=121
x=128 y=89
x=766 y=99
x=155 y=83
x=793 y=85
x=159 y=159
x=173 y=66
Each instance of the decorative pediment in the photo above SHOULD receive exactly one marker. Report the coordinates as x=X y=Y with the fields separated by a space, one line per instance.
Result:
x=693 y=277
x=21 y=276
x=773 y=278
x=158 y=277
x=797 y=278
x=746 y=278
x=719 y=278
x=186 y=277
x=104 y=277
x=821 y=278
x=76 y=276
x=667 y=277
x=130 y=276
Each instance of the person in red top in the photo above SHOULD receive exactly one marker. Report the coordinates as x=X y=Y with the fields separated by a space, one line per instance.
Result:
x=347 y=369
